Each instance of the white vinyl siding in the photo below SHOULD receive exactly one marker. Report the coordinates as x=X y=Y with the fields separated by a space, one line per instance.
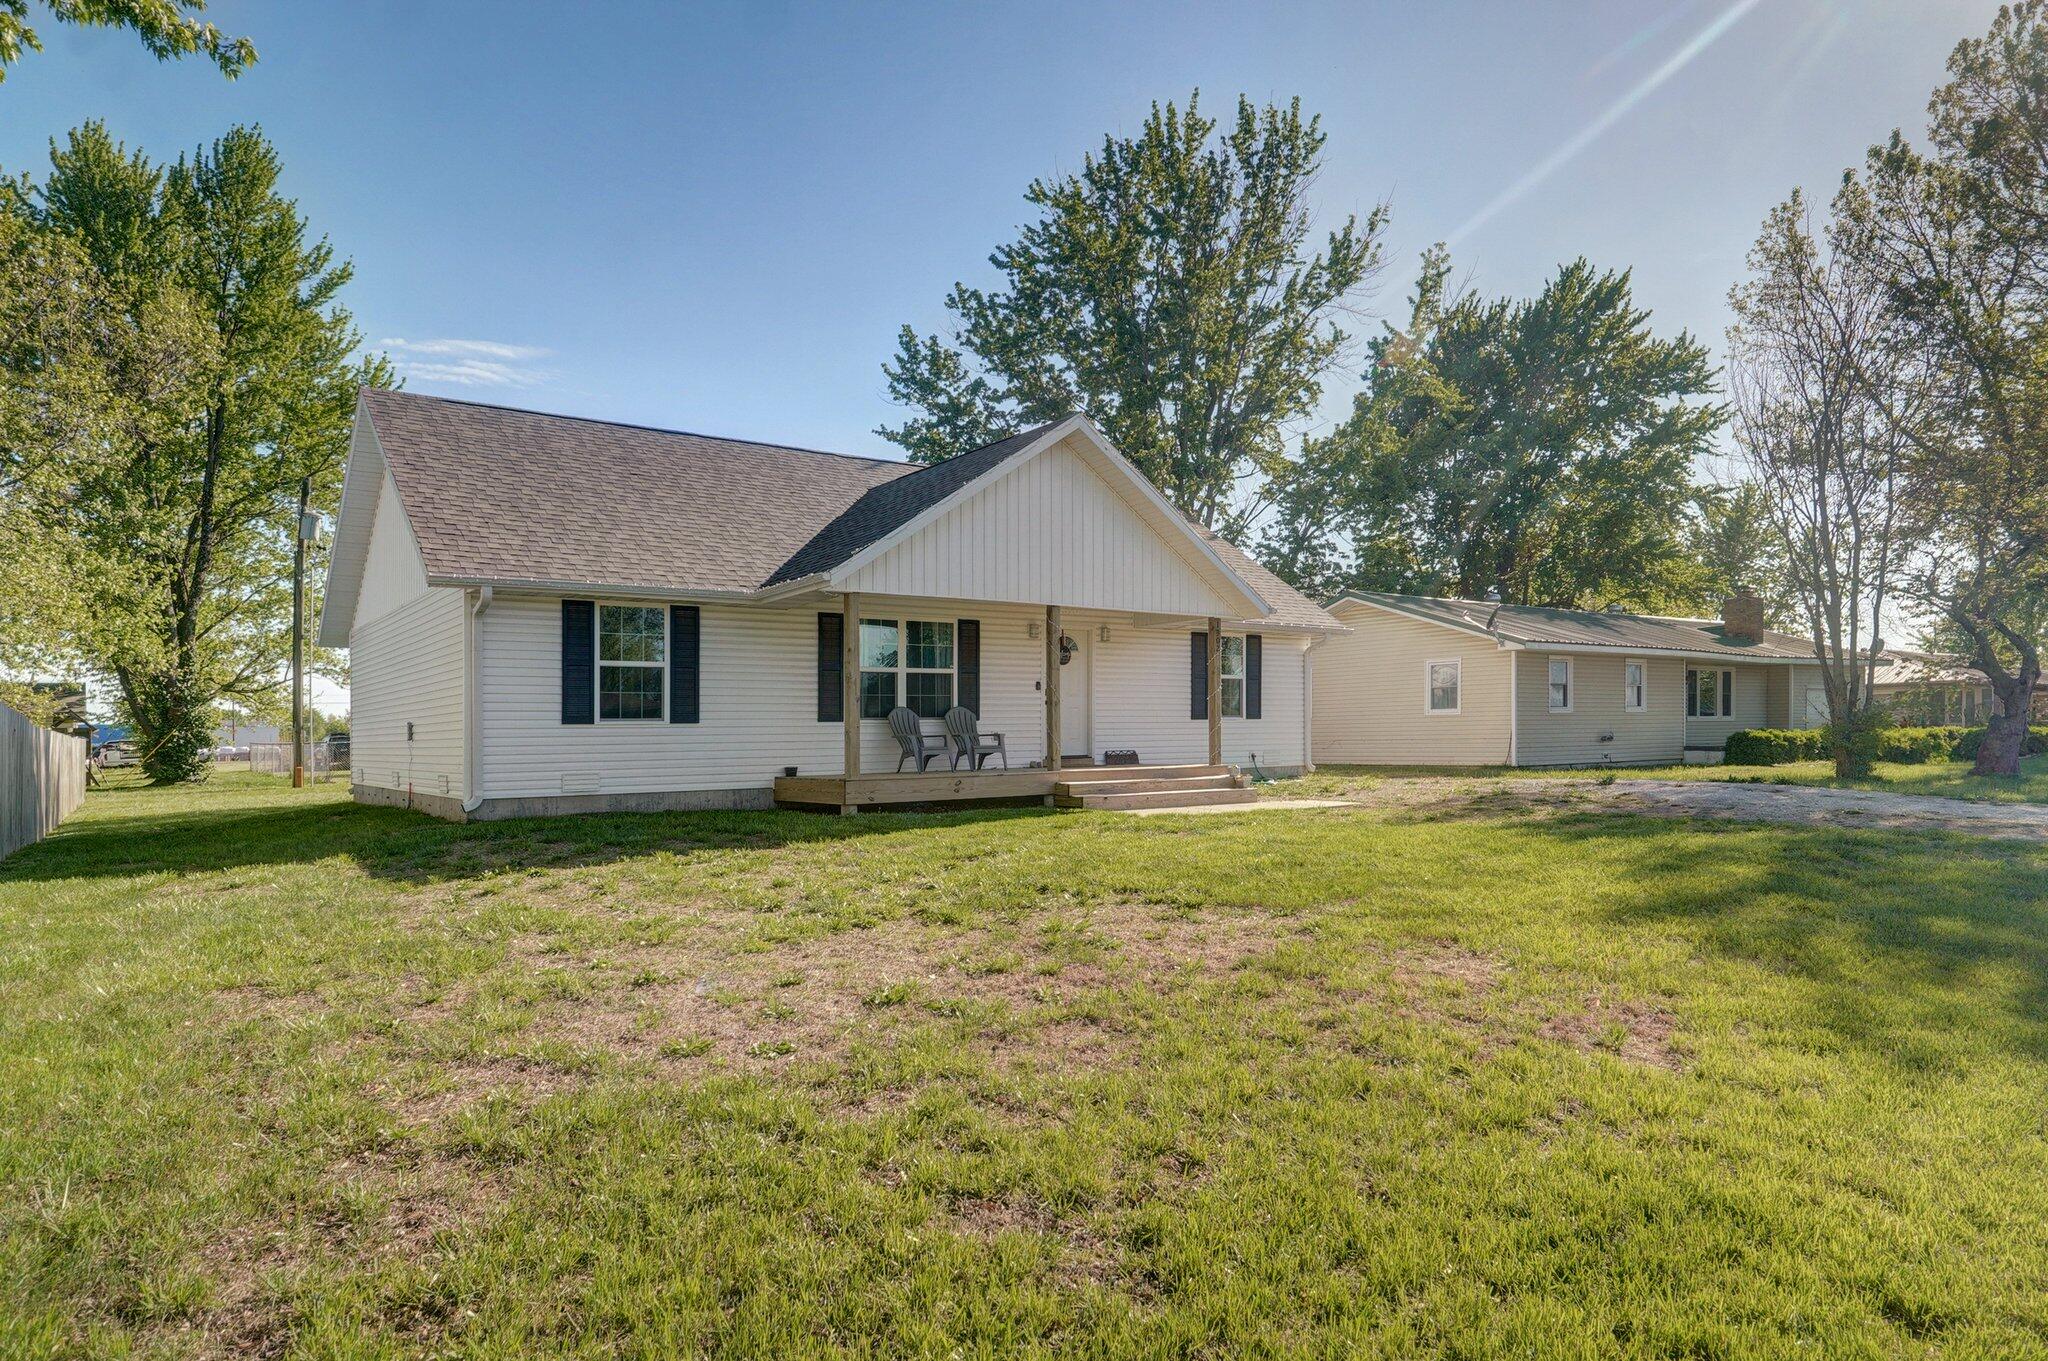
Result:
x=1051 y=532
x=757 y=671
x=407 y=667
x=1142 y=686
x=1599 y=730
x=392 y=572
x=1366 y=701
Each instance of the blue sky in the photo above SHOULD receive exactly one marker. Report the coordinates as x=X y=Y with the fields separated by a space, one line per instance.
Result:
x=715 y=217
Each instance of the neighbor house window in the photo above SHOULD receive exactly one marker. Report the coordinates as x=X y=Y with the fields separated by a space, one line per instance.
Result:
x=1441 y=687
x=1709 y=693
x=1233 y=678
x=1635 y=686
x=1560 y=685
x=908 y=662
x=632 y=662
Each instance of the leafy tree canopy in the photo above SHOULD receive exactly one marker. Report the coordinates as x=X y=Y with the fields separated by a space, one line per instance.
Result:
x=167 y=28
x=1170 y=290
x=1543 y=447
x=187 y=326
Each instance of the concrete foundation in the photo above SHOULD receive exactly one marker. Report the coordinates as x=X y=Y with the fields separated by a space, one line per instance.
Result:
x=450 y=809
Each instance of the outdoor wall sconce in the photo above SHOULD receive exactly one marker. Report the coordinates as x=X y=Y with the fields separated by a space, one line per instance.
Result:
x=1031 y=629
x=1102 y=634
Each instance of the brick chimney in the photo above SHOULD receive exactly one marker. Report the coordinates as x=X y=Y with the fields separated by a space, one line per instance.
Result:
x=1742 y=617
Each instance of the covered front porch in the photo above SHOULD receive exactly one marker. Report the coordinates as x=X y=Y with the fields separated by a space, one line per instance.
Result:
x=1054 y=778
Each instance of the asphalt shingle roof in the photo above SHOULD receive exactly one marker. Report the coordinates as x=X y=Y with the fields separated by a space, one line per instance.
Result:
x=1534 y=626
x=496 y=494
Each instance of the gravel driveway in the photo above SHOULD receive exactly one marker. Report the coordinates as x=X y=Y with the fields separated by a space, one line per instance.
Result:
x=1806 y=805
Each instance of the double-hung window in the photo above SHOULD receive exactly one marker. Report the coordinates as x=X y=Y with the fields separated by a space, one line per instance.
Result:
x=1560 y=685
x=632 y=663
x=1635 y=686
x=909 y=662
x=1709 y=693
x=1233 y=677
x=1441 y=686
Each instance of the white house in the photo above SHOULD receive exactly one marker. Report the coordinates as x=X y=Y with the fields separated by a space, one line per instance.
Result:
x=550 y=614
x=1422 y=680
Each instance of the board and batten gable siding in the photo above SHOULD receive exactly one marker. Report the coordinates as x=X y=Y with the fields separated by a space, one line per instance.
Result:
x=1600 y=730
x=1050 y=532
x=757 y=702
x=1370 y=692
x=393 y=574
x=1751 y=708
x=1140 y=697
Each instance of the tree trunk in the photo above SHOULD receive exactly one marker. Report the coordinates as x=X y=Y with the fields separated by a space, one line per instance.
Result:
x=1999 y=753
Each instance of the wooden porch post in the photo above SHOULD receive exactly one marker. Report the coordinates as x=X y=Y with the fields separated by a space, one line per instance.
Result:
x=1215 y=650
x=849 y=689
x=1052 y=687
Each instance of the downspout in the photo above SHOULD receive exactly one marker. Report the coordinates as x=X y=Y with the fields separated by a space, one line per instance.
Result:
x=472 y=720
x=1308 y=704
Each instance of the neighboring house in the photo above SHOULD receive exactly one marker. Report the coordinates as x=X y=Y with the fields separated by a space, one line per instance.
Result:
x=1930 y=688
x=551 y=614
x=236 y=733
x=1425 y=681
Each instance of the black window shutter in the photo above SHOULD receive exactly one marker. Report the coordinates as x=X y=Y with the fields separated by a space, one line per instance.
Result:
x=1198 y=675
x=683 y=631
x=1727 y=694
x=831 y=667
x=1254 y=674
x=579 y=661
x=967 y=665
x=1692 y=694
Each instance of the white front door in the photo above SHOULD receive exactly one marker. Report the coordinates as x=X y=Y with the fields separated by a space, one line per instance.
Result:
x=1076 y=687
x=1816 y=706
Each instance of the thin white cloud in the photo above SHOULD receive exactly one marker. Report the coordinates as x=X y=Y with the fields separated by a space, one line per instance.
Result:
x=1586 y=136
x=467 y=363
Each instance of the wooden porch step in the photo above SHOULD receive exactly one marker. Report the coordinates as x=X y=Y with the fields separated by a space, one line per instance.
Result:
x=1070 y=775
x=1163 y=798
x=1149 y=784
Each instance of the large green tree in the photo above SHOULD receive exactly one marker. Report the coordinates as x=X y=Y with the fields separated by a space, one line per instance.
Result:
x=1542 y=447
x=1171 y=290
x=1958 y=234
x=167 y=28
x=229 y=376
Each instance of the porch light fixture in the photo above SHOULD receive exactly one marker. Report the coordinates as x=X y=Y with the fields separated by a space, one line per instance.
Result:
x=1102 y=634
x=1031 y=629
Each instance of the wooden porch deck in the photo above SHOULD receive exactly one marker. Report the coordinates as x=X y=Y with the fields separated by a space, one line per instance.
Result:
x=1071 y=786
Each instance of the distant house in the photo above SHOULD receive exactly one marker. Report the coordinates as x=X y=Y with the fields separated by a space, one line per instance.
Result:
x=235 y=733
x=1932 y=688
x=550 y=614
x=1428 y=681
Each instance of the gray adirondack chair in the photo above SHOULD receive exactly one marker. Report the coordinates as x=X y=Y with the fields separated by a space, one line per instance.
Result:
x=909 y=734
x=970 y=742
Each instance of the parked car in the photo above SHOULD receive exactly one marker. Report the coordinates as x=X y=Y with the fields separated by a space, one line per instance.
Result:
x=118 y=754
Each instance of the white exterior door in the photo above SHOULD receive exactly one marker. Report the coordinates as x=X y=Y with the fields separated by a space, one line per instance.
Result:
x=1816 y=706
x=1076 y=697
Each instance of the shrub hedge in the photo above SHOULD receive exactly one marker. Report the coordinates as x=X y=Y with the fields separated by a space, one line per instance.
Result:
x=1908 y=746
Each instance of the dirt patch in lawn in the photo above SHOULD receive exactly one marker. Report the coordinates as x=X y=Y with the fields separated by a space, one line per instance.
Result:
x=817 y=998
x=1636 y=1031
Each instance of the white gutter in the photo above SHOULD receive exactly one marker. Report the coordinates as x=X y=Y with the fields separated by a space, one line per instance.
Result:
x=472 y=720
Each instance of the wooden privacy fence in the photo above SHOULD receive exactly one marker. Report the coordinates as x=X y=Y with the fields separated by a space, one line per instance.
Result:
x=42 y=780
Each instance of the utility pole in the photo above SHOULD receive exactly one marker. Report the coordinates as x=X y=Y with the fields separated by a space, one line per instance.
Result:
x=300 y=537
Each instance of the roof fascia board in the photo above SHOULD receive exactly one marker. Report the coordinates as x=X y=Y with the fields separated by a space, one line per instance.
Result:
x=363 y=435
x=836 y=577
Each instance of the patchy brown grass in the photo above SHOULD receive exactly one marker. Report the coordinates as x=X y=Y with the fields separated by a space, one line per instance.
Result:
x=1636 y=1031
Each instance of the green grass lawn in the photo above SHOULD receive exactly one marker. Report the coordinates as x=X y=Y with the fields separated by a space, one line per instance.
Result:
x=1944 y=779
x=282 y=1075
